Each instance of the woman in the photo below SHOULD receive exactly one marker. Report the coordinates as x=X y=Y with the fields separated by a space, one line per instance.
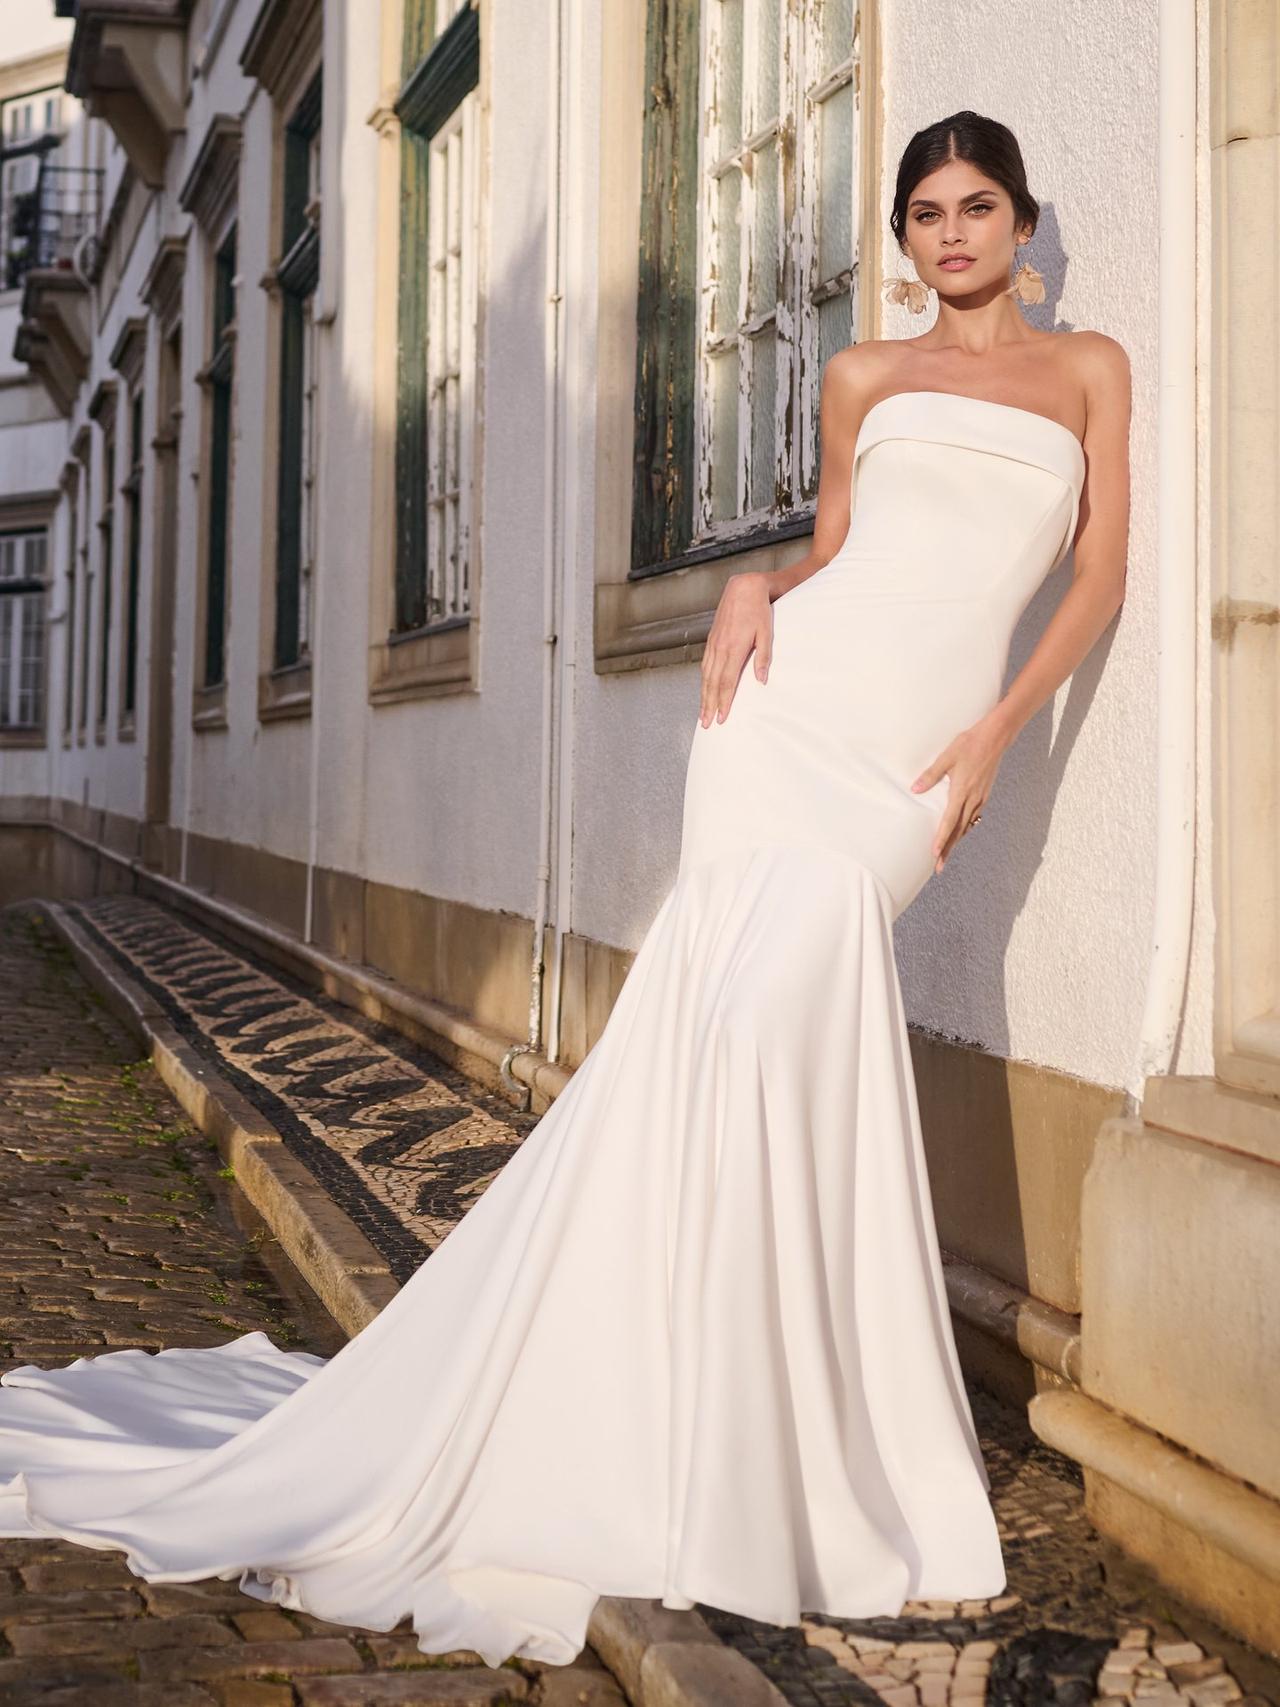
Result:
x=693 y=1342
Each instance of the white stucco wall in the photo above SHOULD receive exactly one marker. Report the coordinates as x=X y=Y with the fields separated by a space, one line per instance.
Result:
x=29 y=26
x=1034 y=941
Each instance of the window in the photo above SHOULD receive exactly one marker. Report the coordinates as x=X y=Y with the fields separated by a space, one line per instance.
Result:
x=219 y=373
x=132 y=491
x=69 y=671
x=106 y=547
x=298 y=274
x=748 y=266
x=435 y=388
x=86 y=581
x=22 y=620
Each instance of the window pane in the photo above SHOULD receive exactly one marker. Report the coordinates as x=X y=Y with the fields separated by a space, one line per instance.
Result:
x=837 y=33
x=764 y=382
x=835 y=174
x=727 y=252
x=8 y=673
x=448 y=354
x=30 y=709
x=724 y=435
x=767 y=20
x=764 y=236
x=729 y=77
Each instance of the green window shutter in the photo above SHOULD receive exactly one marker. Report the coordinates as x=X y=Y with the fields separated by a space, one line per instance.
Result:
x=135 y=559
x=298 y=274
x=69 y=628
x=436 y=76
x=666 y=352
x=108 y=552
x=220 y=376
x=411 y=389
x=289 y=497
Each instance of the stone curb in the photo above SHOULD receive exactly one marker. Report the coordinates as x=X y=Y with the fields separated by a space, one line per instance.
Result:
x=351 y=1278
x=660 y=1657
x=664 y=1658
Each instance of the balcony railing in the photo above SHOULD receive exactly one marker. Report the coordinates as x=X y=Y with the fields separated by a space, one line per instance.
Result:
x=46 y=207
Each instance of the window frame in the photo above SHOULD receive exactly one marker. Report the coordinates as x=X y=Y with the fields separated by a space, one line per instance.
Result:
x=654 y=610
x=432 y=103
x=286 y=691
x=218 y=376
x=210 y=194
x=679 y=479
x=131 y=490
x=432 y=77
x=106 y=530
x=72 y=477
x=28 y=519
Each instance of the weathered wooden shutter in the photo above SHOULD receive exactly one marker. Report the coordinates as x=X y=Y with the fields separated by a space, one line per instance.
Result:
x=666 y=353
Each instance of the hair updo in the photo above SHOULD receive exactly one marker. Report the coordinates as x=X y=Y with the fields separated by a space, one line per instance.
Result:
x=985 y=143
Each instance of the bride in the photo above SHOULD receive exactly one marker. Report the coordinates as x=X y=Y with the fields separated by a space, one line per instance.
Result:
x=693 y=1342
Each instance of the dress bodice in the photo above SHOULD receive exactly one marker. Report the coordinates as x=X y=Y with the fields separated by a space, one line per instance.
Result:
x=960 y=497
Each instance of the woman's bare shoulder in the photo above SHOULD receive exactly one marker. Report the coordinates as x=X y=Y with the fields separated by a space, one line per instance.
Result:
x=1100 y=367
x=1096 y=355
x=861 y=369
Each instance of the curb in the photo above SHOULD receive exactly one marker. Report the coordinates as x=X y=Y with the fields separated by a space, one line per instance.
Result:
x=664 y=1658
x=660 y=1657
x=349 y=1276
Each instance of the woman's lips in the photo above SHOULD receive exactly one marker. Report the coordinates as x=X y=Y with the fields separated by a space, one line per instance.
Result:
x=957 y=263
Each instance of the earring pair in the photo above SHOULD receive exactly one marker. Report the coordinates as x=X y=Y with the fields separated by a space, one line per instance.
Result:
x=1027 y=286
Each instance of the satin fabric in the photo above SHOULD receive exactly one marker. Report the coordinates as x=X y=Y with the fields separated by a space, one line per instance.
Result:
x=693 y=1342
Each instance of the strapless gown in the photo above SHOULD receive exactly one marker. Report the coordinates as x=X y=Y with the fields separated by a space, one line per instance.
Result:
x=693 y=1342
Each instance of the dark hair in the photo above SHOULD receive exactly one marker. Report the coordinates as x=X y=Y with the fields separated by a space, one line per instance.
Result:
x=985 y=143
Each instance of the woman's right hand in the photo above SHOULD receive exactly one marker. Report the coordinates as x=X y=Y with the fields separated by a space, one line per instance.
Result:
x=743 y=623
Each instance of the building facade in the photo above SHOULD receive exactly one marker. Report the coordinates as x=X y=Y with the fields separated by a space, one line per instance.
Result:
x=386 y=392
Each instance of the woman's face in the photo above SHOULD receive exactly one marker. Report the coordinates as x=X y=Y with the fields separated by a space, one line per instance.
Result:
x=958 y=211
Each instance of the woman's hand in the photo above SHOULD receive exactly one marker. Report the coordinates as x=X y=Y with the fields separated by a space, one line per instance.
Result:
x=743 y=622
x=971 y=761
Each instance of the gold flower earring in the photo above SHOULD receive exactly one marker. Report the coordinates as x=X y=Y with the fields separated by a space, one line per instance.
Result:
x=1028 y=284
x=900 y=289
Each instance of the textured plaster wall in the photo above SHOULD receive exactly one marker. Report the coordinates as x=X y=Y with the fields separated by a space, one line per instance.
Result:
x=452 y=783
x=1034 y=941
x=30 y=27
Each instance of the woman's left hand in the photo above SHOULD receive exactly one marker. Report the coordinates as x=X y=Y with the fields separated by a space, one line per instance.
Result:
x=971 y=761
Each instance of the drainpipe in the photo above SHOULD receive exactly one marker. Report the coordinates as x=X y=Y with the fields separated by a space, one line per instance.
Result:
x=572 y=508
x=324 y=313
x=1175 y=554
x=552 y=565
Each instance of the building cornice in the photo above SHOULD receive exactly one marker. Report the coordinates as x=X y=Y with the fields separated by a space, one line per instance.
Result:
x=210 y=186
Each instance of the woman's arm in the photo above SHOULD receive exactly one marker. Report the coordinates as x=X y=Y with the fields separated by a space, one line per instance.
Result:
x=1101 y=544
x=743 y=622
x=1093 y=598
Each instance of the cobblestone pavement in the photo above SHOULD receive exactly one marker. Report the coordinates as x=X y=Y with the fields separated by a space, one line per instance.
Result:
x=116 y=1230
x=107 y=1250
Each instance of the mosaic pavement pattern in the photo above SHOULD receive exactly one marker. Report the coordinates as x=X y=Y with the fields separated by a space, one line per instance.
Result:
x=1071 y=1629
x=405 y=1144
x=402 y=1142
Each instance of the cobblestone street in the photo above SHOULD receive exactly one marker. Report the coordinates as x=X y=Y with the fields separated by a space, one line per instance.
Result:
x=120 y=1228
x=116 y=1230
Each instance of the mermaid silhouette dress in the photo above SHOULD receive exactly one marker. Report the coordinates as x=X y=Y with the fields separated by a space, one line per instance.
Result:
x=693 y=1342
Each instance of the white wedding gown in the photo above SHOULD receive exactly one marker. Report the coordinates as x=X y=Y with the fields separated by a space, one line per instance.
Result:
x=693 y=1342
